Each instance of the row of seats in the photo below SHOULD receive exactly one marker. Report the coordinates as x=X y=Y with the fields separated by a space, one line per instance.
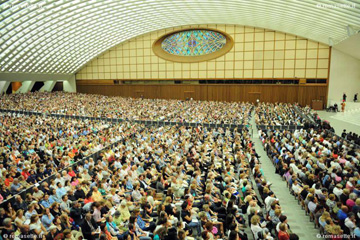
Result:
x=162 y=182
x=92 y=105
x=322 y=172
x=34 y=148
x=279 y=114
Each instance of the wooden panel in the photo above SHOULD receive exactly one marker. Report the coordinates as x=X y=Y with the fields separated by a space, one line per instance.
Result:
x=95 y=82
x=303 y=94
x=254 y=96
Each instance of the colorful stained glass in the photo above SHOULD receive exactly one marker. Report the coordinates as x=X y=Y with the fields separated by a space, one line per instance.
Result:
x=193 y=42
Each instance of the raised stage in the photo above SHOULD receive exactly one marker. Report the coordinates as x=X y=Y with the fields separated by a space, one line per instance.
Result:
x=349 y=105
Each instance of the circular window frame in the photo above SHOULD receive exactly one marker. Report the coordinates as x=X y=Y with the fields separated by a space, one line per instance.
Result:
x=161 y=53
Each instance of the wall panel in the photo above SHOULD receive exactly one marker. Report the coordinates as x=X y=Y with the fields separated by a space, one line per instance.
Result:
x=302 y=94
x=257 y=53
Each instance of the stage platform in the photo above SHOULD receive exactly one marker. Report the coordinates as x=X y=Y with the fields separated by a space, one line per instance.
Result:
x=348 y=107
x=349 y=116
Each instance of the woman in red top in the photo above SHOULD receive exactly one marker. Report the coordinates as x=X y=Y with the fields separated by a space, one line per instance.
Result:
x=71 y=172
x=8 y=180
x=25 y=173
x=88 y=199
x=283 y=234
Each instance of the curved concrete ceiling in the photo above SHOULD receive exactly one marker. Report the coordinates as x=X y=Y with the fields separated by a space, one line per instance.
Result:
x=60 y=36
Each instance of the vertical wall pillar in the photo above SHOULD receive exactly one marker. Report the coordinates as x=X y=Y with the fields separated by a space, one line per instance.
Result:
x=4 y=85
x=48 y=86
x=70 y=84
x=26 y=87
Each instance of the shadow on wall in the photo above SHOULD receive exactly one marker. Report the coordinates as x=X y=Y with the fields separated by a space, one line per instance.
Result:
x=59 y=87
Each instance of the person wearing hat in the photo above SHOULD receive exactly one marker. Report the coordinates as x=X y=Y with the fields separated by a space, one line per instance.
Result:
x=52 y=232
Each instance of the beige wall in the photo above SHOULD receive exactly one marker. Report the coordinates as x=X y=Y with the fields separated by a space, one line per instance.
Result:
x=257 y=53
x=344 y=77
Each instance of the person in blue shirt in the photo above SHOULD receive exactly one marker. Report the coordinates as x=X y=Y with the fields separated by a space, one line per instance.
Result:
x=145 y=226
x=48 y=170
x=15 y=186
x=129 y=185
x=46 y=202
x=32 y=178
x=60 y=191
x=342 y=213
x=53 y=197
x=47 y=218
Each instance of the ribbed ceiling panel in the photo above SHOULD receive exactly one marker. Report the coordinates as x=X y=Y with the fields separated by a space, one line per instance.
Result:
x=60 y=36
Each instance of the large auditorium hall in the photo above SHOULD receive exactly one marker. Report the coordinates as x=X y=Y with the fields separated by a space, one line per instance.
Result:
x=179 y=119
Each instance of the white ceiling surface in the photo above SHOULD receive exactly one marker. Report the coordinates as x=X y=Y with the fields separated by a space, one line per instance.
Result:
x=48 y=36
x=350 y=46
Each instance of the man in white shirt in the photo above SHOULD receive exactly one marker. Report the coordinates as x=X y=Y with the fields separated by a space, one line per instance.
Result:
x=2 y=169
x=335 y=164
x=293 y=166
x=117 y=164
x=59 y=179
x=296 y=187
x=338 y=190
x=38 y=194
x=350 y=222
x=269 y=200
x=65 y=204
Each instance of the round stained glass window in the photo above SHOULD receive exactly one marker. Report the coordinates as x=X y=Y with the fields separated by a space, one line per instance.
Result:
x=193 y=45
x=193 y=42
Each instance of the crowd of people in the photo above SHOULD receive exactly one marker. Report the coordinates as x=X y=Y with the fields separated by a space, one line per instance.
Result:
x=279 y=114
x=170 y=182
x=321 y=170
x=33 y=148
x=92 y=105
x=161 y=183
x=351 y=136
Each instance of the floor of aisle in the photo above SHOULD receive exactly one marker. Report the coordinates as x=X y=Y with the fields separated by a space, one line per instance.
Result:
x=298 y=221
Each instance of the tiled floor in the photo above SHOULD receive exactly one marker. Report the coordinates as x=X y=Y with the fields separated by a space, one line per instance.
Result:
x=340 y=121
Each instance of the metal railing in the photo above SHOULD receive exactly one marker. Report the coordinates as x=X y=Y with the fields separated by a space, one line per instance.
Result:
x=119 y=120
x=279 y=127
x=304 y=116
x=96 y=154
x=356 y=146
x=48 y=179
